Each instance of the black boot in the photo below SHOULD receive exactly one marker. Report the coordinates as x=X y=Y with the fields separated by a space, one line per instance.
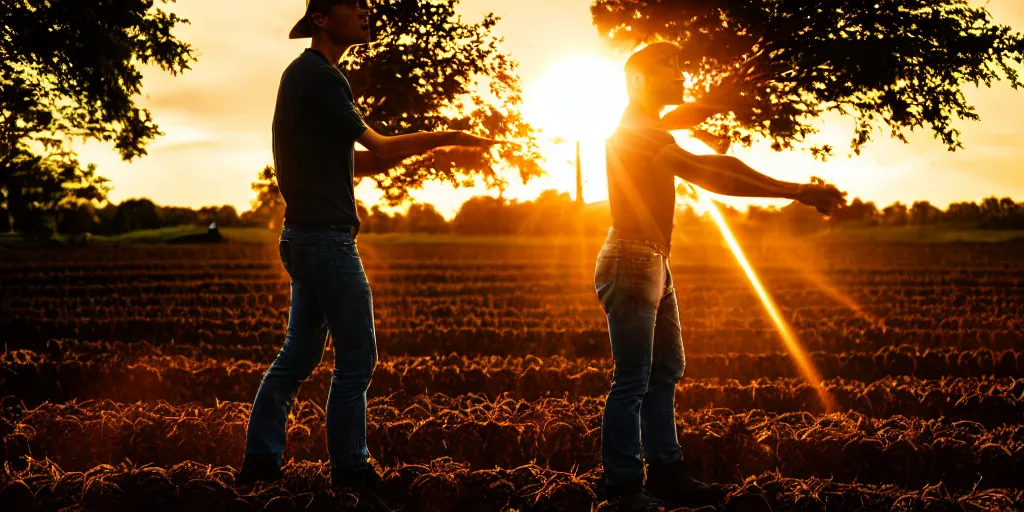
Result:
x=634 y=502
x=748 y=503
x=259 y=468
x=673 y=484
x=365 y=482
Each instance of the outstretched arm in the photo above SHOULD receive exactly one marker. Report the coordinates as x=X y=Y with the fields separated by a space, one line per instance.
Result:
x=728 y=94
x=367 y=164
x=730 y=176
x=725 y=97
x=338 y=111
x=723 y=174
x=385 y=152
x=688 y=115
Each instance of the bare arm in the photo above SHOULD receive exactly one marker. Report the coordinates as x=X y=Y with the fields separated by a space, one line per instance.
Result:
x=403 y=146
x=720 y=100
x=723 y=175
x=367 y=164
x=688 y=115
x=386 y=152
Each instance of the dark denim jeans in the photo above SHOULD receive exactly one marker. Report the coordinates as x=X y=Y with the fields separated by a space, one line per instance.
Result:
x=329 y=293
x=635 y=288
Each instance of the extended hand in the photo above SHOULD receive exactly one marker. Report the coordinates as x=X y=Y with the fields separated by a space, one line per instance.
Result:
x=472 y=141
x=824 y=198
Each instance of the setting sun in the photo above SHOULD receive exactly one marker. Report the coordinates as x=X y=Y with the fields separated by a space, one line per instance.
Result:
x=578 y=99
x=581 y=97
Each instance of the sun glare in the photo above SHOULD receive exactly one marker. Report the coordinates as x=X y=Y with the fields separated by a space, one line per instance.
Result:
x=581 y=97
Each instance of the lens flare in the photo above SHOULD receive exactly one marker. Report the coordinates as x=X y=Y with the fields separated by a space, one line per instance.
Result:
x=796 y=351
x=819 y=280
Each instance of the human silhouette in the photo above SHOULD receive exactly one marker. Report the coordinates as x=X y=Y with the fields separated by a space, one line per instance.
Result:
x=634 y=283
x=315 y=128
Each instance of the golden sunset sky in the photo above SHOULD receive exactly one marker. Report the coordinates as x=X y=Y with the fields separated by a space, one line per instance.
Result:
x=217 y=116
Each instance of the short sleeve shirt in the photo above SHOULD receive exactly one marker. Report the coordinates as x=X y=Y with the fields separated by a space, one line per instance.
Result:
x=316 y=125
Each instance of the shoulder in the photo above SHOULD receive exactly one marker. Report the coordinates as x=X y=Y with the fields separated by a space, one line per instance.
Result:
x=333 y=78
x=304 y=78
x=309 y=66
x=641 y=138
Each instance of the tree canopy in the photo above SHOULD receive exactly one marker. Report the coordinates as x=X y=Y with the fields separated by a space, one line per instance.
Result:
x=895 y=65
x=430 y=70
x=72 y=70
x=268 y=207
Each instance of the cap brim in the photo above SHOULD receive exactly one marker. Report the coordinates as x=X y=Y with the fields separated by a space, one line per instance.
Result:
x=301 y=30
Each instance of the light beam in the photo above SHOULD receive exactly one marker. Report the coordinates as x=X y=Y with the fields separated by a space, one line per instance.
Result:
x=796 y=351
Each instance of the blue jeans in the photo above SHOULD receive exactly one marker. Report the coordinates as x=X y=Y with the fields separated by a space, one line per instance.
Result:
x=635 y=288
x=329 y=293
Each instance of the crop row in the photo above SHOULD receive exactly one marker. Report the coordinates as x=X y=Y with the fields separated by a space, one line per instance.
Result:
x=720 y=445
x=698 y=303
x=438 y=337
x=699 y=280
x=703 y=311
x=988 y=401
x=60 y=376
x=440 y=486
x=518 y=271
x=887 y=360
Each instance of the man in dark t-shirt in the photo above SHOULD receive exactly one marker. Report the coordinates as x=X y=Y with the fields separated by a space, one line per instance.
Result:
x=316 y=126
x=635 y=286
x=315 y=114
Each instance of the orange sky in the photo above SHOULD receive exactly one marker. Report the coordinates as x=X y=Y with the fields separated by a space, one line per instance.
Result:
x=217 y=117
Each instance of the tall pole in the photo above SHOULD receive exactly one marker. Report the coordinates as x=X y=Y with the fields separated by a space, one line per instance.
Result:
x=579 y=176
x=579 y=194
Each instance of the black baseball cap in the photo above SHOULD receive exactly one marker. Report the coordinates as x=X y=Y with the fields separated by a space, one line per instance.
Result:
x=304 y=29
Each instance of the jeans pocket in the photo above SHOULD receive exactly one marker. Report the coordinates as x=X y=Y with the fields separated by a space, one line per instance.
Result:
x=642 y=259
x=607 y=266
x=303 y=258
x=642 y=276
x=345 y=255
x=282 y=249
x=604 y=273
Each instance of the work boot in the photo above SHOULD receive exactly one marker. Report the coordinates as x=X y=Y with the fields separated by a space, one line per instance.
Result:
x=365 y=483
x=748 y=503
x=259 y=468
x=633 y=502
x=673 y=484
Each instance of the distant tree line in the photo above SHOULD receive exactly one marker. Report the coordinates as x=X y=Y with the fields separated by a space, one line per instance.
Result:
x=138 y=214
x=991 y=213
x=551 y=213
